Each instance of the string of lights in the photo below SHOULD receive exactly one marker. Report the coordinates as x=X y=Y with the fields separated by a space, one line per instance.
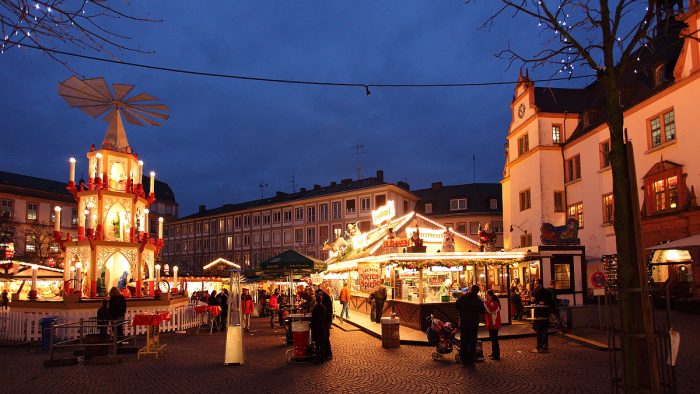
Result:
x=366 y=86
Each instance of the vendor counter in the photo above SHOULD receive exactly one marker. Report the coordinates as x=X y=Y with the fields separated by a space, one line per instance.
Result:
x=412 y=313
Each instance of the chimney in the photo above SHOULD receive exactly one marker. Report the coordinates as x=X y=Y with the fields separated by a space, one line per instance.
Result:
x=317 y=187
x=436 y=186
x=403 y=185
x=302 y=189
x=202 y=208
x=380 y=175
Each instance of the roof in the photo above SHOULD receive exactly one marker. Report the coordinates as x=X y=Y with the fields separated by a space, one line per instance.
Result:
x=30 y=186
x=345 y=185
x=478 y=197
x=290 y=259
x=684 y=243
x=637 y=84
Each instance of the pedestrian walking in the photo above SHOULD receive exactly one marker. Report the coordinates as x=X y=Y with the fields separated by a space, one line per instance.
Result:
x=274 y=307
x=117 y=309
x=379 y=299
x=223 y=303
x=247 y=309
x=344 y=301
x=493 y=322
x=541 y=296
x=319 y=331
x=469 y=307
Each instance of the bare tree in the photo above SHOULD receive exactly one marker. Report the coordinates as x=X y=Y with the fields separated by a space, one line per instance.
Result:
x=83 y=24
x=40 y=238
x=607 y=36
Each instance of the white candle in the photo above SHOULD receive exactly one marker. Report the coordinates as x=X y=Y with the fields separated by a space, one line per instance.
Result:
x=85 y=213
x=153 y=183
x=175 y=275
x=99 y=165
x=57 y=218
x=72 y=169
x=34 y=273
x=160 y=227
x=145 y=220
x=93 y=219
x=157 y=275
x=140 y=172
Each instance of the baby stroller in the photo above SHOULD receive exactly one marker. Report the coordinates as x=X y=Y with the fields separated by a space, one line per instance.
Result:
x=442 y=336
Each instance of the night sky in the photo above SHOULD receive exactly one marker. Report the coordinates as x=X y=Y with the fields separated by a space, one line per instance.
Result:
x=225 y=136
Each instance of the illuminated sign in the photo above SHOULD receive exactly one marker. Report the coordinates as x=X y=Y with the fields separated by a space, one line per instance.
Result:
x=384 y=213
x=396 y=243
x=369 y=277
x=428 y=235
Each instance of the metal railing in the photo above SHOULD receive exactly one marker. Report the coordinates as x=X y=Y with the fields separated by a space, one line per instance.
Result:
x=82 y=329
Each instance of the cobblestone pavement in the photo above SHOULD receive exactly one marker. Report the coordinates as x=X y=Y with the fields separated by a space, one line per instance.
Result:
x=360 y=365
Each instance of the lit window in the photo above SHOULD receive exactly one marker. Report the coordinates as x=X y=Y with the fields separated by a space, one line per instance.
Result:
x=30 y=243
x=364 y=204
x=458 y=204
x=428 y=208
x=562 y=276
x=32 y=211
x=556 y=134
x=666 y=194
x=662 y=129
x=6 y=208
x=576 y=212
x=608 y=208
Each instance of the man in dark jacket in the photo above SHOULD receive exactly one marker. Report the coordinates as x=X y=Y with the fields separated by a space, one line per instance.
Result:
x=379 y=299
x=117 y=309
x=541 y=296
x=319 y=332
x=469 y=306
x=328 y=304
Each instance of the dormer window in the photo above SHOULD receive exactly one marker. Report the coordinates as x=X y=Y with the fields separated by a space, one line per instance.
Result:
x=659 y=74
x=458 y=204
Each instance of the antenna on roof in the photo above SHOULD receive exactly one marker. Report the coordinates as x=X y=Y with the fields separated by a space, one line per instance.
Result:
x=263 y=186
x=294 y=184
x=359 y=150
x=474 y=167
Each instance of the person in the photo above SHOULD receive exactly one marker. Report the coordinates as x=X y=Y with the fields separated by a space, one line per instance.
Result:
x=103 y=317
x=517 y=303
x=5 y=300
x=541 y=296
x=223 y=303
x=469 y=307
x=247 y=309
x=328 y=305
x=309 y=300
x=214 y=301
x=274 y=307
x=344 y=301
x=552 y=289
x=379 y=298
x=493 y=322
x=527 y=294
x=319 y=333
x=117 y=308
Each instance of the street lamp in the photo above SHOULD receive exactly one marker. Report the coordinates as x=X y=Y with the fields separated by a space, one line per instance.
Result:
x=518 y=227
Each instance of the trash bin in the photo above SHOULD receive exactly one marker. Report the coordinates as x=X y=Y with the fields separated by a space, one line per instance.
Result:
x=45 y=325
x=390 y=332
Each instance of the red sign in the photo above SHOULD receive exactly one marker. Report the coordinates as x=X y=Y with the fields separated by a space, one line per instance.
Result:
x=396 y=243
x=598 y=279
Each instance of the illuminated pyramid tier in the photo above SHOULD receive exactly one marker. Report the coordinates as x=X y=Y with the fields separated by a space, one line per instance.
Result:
x=113 y=247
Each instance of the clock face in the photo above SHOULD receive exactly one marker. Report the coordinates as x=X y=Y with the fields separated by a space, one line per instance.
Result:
x=521 y=110
x=164 y=286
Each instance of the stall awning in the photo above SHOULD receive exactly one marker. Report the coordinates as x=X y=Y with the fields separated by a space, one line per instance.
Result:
x=684 y=243
x=291 y=260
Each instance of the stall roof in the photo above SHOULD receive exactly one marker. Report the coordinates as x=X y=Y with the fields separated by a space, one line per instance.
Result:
x=291 y=260
x=683 y=243
x=24 y=272
x=444 y=257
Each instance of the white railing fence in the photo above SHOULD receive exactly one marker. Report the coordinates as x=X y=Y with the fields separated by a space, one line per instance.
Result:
x=19 y=326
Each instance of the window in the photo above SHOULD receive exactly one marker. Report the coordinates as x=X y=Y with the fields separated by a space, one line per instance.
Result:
x=525 y=240
x=299 y=214
x=237 y=241
x=53 y=248
x=222 y=244
x=229 y=242
x=256 y=239
x=608 y=208
x=32 y=211
x=573 y=168
x=246 y=239
x=299 y=235
x=405 y=206
x=576 y=212
x=556 y=134
x=287 y=216
x=458 y=204
x=311 y=214
x=665 y=194
x=276 y=217
x=222 y=226
x=6 y=208
x=523 y=145
x=428 y=208
x=30 y=243
x=659 y=74
x=336 y=211
x=237 y=222
x=380 y=200
x=497 y=227
x=311 y=235
x=365 y=204
x=212 y=242
x=256 y=220
x=74 y=216
x=525 y=201
x=559 y=201
x=246 y=221
x=229 y=224
x=266 y=238
x=350 y=207
x=205 y=227
x=276 y=238
x=288 y=238
x=462 y=227
x=52 y=216
x=473 y=228
x=561 y=276
x=604 y=154
x=266 y=219
x=213 y=227
x=493 y=203
x=662 y=129
x=323 y=212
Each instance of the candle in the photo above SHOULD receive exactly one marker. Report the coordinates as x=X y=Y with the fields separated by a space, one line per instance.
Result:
x=34 y=273
x=175 y=275
x=157 y=274
x=72 y=169
x=85 y=214
x=78 y=270
x=98 y=170
x=93 y=219
x=145 y=214
x=153 y=182
x=57 y=218
x=140 y=173
x=160 y=227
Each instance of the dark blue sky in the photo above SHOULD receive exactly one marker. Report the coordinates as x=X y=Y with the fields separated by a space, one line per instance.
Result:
x=225 y=136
